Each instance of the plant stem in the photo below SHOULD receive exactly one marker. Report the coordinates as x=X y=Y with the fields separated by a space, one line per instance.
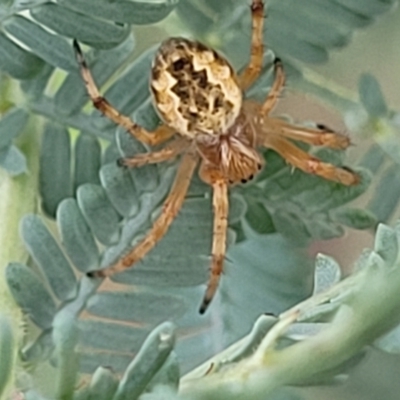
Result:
x=371 y=311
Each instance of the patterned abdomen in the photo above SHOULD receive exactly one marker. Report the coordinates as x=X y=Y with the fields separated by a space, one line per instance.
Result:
x=195 y=90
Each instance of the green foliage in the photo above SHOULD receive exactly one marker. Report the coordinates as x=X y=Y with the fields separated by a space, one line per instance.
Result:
x=6 y=349
x=280 y=350
x=11 y=125
x=100 y=210
x=300 y=347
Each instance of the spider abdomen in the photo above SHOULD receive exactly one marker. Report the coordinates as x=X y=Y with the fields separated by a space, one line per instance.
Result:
x=195 y=90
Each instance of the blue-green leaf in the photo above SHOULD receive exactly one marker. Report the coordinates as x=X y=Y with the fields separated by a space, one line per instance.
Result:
x=386 y=244
x=55 y=167
x=120 y=189
x=151 y=357
x=13 y=160
x=52 y=48
x=356 y=218
x=76 y=236
x=368 y=7
x=139 y=305
x=270 y=268
x=34 y=88
x=65 y=336
x=168 y=376
x=16 y=61
x=103 y=384
x=84 y=28
x=386 y=194
x=49 y=257
x=31 y=294
x=40 y=349
x=6 y=351
x=99 y=213
x=327 y=273
x=87 y=160
x=11 y=125
x=371 y=96
x=108 y=335
x=259 y=218
x=132 y=12
x=373 y=159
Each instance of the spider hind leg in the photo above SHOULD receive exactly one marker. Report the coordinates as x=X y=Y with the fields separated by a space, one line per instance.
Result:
x=170 y=209
x=220 y=207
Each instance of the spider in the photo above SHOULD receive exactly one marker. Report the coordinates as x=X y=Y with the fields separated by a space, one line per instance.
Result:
x=206 y=120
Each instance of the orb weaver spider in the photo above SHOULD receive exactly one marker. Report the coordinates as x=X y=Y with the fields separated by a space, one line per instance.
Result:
x=199 y=98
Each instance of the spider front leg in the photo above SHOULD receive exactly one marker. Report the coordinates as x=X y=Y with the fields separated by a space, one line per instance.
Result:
x=161 y=134
x=220 y=208
x=312 y=165
x=170 y=151
x=322 y=136
x=253 y=69
x=171 y=207
x=276 y=88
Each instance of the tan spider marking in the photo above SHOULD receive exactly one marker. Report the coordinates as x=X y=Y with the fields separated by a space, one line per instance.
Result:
x=199 y=96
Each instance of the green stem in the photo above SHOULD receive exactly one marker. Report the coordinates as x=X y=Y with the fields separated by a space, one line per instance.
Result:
x=371 y=311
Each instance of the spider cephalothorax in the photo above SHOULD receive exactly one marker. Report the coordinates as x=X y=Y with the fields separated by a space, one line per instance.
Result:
x=199 y=97
x=234 y=152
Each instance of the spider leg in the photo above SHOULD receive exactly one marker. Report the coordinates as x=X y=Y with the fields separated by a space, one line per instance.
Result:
x=220 y=207
x=171 y=207
x=171 y=150
x=322 y=136
x=161 y=134
x=276 y=88
x=252 y=70
x=312 y=165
